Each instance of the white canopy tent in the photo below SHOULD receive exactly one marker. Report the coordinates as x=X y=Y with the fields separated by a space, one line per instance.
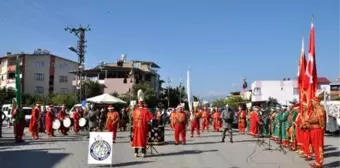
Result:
x=105 y=99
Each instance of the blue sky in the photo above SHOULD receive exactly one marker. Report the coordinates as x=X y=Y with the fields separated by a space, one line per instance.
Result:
x=222 y=40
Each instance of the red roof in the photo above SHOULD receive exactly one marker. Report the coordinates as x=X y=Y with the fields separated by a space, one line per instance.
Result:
x=323 y=80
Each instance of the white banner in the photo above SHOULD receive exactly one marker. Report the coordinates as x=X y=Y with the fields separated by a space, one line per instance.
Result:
x=100 y=148
x=189 y=94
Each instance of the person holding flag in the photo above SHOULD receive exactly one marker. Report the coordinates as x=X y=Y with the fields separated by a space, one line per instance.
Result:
x=19 y=122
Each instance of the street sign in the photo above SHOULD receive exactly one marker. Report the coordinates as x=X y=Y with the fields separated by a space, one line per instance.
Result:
x=100 y=148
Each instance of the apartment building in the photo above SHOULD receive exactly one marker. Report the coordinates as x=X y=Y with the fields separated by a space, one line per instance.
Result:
x=120 y=76
x=283 y=90
x=41 y=72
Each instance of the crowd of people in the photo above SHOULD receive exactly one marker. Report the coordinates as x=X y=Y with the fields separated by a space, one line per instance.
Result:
x=294 y=127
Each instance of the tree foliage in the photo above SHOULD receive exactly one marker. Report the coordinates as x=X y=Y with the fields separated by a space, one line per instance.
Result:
x=92 y=89
x=272 y=101
x=6 y=95
x=232 y=101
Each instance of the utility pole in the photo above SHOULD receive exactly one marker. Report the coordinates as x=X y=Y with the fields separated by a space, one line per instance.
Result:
x=80 y=51
x=180 y=91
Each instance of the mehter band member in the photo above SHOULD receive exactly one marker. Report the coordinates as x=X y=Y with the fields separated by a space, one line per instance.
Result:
x=217 y=120
x=112 y=120
x=34 y=122
x=181 y=121
x=76 y=117
x=49 y=118
x=61 y=116
x=242 y=120
x=141 y=119
x=316 y=125
x=206 y=119
x=19 y=124
x=195 y=123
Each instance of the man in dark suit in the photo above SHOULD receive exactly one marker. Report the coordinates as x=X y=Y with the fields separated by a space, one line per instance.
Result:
x=228 y=119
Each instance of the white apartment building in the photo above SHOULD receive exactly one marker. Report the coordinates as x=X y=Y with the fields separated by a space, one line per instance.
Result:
x=41 y=74
x=282 y=90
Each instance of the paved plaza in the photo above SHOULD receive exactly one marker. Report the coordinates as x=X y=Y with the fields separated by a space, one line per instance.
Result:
x=204 y=152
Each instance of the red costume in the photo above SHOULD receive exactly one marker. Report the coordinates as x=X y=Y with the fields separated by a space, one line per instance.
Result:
x=49 y=118
x=206 y=118
x=76 y=117
x=34 y=127
x=19 y=126
x=195 y=124
x=61 y=116
x=141 y=119
x=217 y=121
x=316 y=124
x=242 y=117
x=305 y=135
x=172 y=120
x=181 y=122
x=253 y=130
x=299 y=139
x=112 y=120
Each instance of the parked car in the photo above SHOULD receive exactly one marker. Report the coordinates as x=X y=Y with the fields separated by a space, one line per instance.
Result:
x=70 y=112
x=28 y=115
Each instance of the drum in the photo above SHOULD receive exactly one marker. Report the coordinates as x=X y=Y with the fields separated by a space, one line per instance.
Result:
x=56 y=124
x=82 y=122
x=68 y=122
x=156 y=135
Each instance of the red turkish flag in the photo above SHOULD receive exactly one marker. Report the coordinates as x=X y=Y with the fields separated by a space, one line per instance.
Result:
x=301 y=74
x=311 y=77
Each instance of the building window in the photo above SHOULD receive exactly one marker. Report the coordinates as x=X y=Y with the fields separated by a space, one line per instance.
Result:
x=39 y=90
x=257 y=91
x=63 y=91
x=63 y=66
x=40 y=64
x=295 y=91
x=335 y=88
x=63 y=79
x=39 y=77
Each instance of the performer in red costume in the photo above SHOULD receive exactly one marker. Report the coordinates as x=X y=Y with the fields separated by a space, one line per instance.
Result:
x=61 y=116
x=33 y=127
x=242 y=117
x=112 y=122
x=217 y=120
x=76 y=117
x=140 y=121
x=49 y=118
x=19 y=125
x=181 y=121
x=316 y=124
x=195 y=123
x=253 y=130
x=206 y=118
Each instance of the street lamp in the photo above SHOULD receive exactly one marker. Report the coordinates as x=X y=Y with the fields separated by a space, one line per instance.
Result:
x=81 y=67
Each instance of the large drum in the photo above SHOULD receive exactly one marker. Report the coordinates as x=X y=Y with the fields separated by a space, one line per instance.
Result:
x=56 y=124
x=82 y=122
x=156 y=135
x=68 y=122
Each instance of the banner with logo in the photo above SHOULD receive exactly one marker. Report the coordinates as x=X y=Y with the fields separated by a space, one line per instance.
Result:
x=100 y=148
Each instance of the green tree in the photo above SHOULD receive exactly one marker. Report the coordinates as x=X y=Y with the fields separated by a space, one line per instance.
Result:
x=92 y=89
x=272 y=102
x=59 y=99
x=219 y=103
x=196 y=98
x=149 y=93
x=6 y=95
x=234 y=101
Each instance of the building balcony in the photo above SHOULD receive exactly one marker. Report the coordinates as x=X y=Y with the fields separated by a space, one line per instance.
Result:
x=11 y=68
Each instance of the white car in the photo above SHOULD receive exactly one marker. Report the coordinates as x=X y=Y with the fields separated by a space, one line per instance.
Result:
x=70 y=112
x=28 y=114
